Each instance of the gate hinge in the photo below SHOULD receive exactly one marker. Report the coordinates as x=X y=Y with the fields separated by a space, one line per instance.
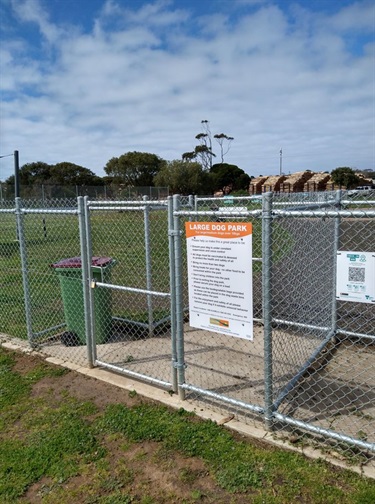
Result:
x=175 y=233
x=176 y=365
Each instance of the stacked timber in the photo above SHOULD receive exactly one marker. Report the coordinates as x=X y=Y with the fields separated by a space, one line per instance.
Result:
x=364 y=181
x=273 y=183
x=331 y=186
x=318 y=182
x=296 y=181
x=256 y=184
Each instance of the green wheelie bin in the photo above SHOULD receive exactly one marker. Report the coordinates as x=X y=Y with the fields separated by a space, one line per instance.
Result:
x=69 y=272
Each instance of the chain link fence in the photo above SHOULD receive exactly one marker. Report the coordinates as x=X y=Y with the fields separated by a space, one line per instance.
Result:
x=46 y=193
x=12 y=315
x=32 y=305
x=309 y=370
x=106 y=283
x=326 y=390
x=113 y=311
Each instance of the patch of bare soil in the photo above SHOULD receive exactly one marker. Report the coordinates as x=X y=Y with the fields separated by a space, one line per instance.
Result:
x=142 y=472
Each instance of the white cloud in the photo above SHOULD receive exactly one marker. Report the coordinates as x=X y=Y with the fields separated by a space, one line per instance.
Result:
x=31 y=11
x=358 y=17
x=17 y=73
x=156 y=14
x=145 y=82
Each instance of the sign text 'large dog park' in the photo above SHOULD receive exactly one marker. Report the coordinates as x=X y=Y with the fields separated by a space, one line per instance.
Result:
x=220 y=277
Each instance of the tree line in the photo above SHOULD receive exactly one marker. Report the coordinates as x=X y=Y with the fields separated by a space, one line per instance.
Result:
x=139 y=169
x=143 y=169
x=194 y=173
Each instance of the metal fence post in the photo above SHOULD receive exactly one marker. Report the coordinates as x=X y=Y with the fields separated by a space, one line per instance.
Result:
x=267 y=306
x=191 y=205
x=336 y=246
x=172 y=292
x=91 y=343
x=146 y=214
x=179 y=298
x=85 y=277
x=24 y=268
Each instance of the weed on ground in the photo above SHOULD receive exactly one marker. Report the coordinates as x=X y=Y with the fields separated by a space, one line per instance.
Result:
x=68 y=438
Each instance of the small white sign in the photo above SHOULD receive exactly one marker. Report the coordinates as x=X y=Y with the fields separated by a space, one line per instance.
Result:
x=355 y=277
x=220 y=277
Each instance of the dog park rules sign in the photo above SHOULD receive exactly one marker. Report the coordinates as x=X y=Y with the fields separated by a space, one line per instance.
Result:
x=220 y=277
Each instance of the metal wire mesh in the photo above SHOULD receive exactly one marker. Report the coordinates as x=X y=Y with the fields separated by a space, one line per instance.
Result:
x=332 y=387
x=42 y=307
x=53 y=296
x=309 y=369
x=137 y=339
x=12 y=316
x=227 y=371
x=320 y=377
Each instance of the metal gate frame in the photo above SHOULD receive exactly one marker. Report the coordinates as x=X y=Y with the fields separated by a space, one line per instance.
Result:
x=269 y=410
x=143 y=206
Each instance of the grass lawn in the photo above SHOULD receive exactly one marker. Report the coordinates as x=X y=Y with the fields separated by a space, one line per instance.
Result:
x=114 y=234
x=120 y=235
x=67 y=438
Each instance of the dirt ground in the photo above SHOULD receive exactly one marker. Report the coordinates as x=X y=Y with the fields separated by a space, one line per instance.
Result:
x=165 y=477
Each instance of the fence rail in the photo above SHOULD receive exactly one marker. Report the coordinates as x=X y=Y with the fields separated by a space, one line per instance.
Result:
x=309 y=367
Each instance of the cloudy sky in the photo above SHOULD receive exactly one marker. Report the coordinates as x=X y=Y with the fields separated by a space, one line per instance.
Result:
x=86 y=80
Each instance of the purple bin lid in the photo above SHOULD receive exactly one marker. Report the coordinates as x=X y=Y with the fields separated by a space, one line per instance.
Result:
x=75 y=262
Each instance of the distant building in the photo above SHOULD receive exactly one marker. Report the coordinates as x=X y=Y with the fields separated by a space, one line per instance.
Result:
x=302 y=181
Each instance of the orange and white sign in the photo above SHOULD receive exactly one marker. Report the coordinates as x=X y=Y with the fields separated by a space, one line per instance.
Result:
x=220 y=277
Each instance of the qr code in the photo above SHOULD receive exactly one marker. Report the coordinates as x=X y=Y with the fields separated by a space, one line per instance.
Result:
x=356 y=274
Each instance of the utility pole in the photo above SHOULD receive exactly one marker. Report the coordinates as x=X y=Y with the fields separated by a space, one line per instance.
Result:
x=281 y=161
x=16 y=175
x=16 y=187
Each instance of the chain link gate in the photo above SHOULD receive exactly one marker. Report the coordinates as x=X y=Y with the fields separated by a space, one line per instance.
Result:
x=130 y=322
x=88 y=283
x=310 y=367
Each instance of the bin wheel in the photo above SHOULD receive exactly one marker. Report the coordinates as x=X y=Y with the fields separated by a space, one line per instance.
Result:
x=70 y=338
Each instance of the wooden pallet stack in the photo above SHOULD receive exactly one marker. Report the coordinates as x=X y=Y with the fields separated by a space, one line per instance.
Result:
x=318 y=182
x=256 y=184
x=296 y=181
x=273 y=183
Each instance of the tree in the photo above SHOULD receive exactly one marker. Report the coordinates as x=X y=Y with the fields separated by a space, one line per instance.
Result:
x=134 y=168
x=63 y=174
x=203 y=151
x=224 y=148
x=70 y=174
x=368 y=173
x=32 y=173
x=182 y=177
x=227 y=178
x=344 y=176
